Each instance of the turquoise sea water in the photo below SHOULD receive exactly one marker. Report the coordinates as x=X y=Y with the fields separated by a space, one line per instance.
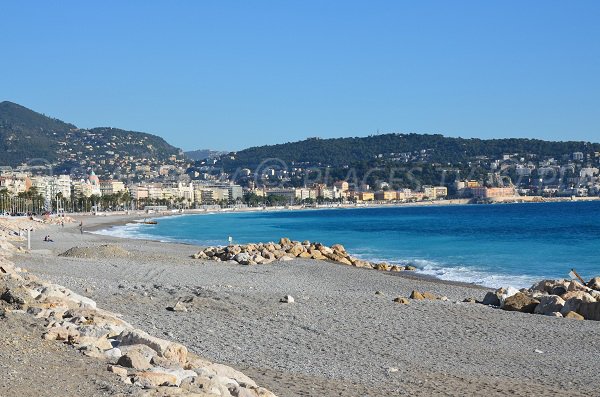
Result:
x=492 y=245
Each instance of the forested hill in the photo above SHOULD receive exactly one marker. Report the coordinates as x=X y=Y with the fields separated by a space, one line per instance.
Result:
x=26 y=135
x=340 y=152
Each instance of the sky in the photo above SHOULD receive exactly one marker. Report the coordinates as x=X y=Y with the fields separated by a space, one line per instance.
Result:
x=227 y=75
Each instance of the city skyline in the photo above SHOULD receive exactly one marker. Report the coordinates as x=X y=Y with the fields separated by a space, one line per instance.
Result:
x=232 y=76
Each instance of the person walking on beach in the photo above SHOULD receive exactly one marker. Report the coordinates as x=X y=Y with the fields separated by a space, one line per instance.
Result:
x=81 y=227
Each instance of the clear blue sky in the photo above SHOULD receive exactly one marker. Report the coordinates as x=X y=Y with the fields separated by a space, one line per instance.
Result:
x=233 y=74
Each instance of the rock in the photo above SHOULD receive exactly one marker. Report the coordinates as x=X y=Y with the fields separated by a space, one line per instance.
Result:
x=242 y=258
x=165 y=348
x=228 y=372
x=305 y=255
x=284 y=241
x=162 y=362
x=61 y=333
x=134 y=360
x=547 y=286
x=554 y=314
x=150 y=380
x=410 y=268
x=396 y=268
x=416 y=295
x=590 y=310
x=549 y=304
x=508 y=292
x=574 y=316
x=581 y=295
x=115 y=369
x=285 y=258
x=402 y=300
x=361 y=263
x=575 y=286
x=339 y=248
x=287 y=299
x=113 y=354
x=470 y=300
x=296 y=250
x=382 y=266
x=594 y=283
x=378 y=293
x=493 y=298
x=520 y=302
x=179 y=307
x=429 y=296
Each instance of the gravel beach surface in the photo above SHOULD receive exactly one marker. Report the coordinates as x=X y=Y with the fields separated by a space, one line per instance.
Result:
x=339 y=337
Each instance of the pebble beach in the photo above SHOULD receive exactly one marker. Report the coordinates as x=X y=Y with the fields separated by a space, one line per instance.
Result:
x=342 y=336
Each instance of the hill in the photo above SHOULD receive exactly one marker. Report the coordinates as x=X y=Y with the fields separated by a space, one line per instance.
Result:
x=342 y=152
x=202 y=154
x=26 y=135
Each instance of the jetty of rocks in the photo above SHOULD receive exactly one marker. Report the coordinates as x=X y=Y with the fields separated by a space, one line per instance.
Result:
x=286 y=250
x=557 y=298
x=161 y=367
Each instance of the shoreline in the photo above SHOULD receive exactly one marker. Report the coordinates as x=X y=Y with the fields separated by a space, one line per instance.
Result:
x=93 y=230
x=342 y=337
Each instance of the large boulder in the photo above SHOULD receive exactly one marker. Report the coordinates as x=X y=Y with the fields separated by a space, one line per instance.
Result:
x=243 y=258
x=493 y=298
x=296 y=250
x=552 y=287
x=134 y=359
x=590 y=310
x=520 y=302
x=581 y=295
x=594 y=283
x=549 y=304
x=167 y=349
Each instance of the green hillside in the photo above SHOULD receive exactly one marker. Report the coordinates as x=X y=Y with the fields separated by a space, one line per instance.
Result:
x=341 y=152
x=26 y=135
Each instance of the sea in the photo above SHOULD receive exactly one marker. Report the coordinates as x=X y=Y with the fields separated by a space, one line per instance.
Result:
x=490 y=245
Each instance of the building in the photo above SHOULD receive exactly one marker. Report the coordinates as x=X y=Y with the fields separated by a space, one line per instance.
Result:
x=364 y=196
x=493 y=192
x=289 y=194
x=111 y=187
x=386 y=195
x=342 y=186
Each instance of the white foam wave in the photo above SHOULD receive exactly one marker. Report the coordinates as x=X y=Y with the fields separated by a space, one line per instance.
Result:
x=464 y=274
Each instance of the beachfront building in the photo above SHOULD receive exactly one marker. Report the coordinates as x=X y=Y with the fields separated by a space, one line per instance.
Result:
x=289 y=194
x=386 y=195
x=363 y=196
x=342 y=186
x=435 y=192
x=111 y=186
x=138 y=192
x=52 y=186
x=493 y=192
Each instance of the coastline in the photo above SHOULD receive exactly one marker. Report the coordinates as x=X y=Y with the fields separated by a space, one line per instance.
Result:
x=427 y=268
x=339 y=338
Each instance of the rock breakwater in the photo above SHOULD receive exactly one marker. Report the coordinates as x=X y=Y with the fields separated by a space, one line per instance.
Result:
x=285 y=250
x=158 y=366
x=556 y=298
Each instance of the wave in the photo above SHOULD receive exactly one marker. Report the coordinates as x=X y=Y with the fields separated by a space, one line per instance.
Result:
x=463 y=274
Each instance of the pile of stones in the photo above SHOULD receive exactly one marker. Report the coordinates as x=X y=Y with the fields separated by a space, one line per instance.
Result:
x=162 y=367
x=286 y=250
x=557 y=298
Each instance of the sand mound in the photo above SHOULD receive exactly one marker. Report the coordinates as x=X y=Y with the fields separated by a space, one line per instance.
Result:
x=101 y=251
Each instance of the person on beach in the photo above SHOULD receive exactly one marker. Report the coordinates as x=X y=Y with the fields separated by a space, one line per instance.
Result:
x=81 y=227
